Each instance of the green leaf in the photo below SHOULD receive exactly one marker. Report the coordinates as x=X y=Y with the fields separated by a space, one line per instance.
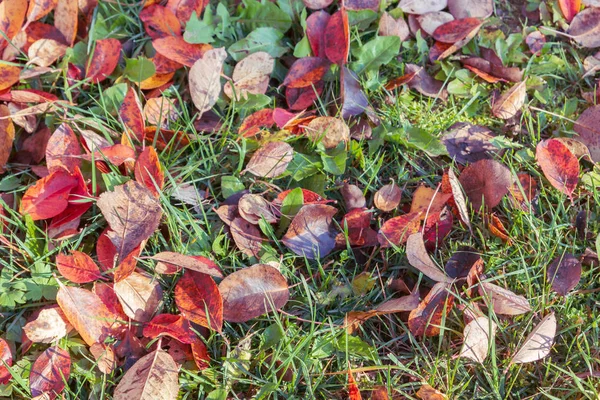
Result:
x=199 y=31
x=231 y=185
x=302 y=48
x=138 y=69
x=35 y=240
x=290 y=206
x=303 y=166
x=265 y=39
x=379 y=51
x=423 y=140
x=334 y=160
x=362 y=18
x=255 y=15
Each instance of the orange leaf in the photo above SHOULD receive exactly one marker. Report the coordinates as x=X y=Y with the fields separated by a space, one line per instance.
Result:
x=397 y=230
x=253 y=123
x=49 y=196
x=353 y=391
x=7 y=136
x=176 y=49
x=184 y=8
x=131 y=114
x=63 y=151
x=156 y=81
x=175 y=326
x=9 y=75
x=160 y=21
x=65 y=19
x=148 y=171
x=200 y=354
x=337 y=38
x=306 y=72
x=569 y=8
x=78 y=268
x=559 y=165
x=39 y=9
x=12 y=15
x=50 y=372
x=104 y=60
x=199 y=300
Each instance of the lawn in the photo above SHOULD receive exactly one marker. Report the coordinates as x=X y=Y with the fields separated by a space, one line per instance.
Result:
x=385 y=200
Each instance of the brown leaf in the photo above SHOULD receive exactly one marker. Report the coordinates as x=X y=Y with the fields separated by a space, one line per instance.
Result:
x=510 y=102
x=468 y=143
x=459 y=198
x=250 y=76
x=176 y=49
x=249 y=292
x=471 y=8
x=197 y=297
x=205 y=79
x=535 y=41
x=315 y=32
x=246 y=236
x=486 y=182
x=104 y=356
x=253 y=208
x=49 y=325
x=585 y=27
x=359 y=5
x=104 y=60
x=353 y=197
x=355 y=319
x=50 y=372
x=564 y=273
x=337 y=37
x=63 y=151
x=87 y=313
x=270 y=160
x=194 y=263
x=419 y=258
x=427 y=392
x=428 y=200
x=49 y=196
x=65 y=19
x=503 y=301
x=78 y=267
x=539 y=342
x=559 y=165
x=396 y=231
x=477 y=336
x=588 y=128
x=133 y=215
x=390 y=26
x=140 y=296
x=523 y=192
x=305 y=72
x=329 y=131
x=7 y=136
x=424 y=83
x=312 y=233
x=425 y=320
x=152 y=377
x=422 y=7
x=387 y=198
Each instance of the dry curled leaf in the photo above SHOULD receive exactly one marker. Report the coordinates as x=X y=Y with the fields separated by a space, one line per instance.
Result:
x=140 y=296
x=271 y=160
x=253 y=208
x=419 y=258
x=205 y=79
x=503 y=301
x=510 y=102
x=585 y=27
x=251 y=292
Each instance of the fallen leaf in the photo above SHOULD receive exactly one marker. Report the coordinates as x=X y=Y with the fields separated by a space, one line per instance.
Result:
x=390 y=26
x=425 y=320
x=431 y=21
x=45 y=52
x=354 y=100
x=539 y=342
x=428 y=200
x=419 y=258
x=184 y=8
x=471 y=8
x=395 y=231
x=387 y=198
x=312 y=233
x=200 y=354
x=253 y=208
x=329 y=131
x=353 y=390
x=49 y=196
x=523 y=192
x=559 y=165
x=468 y=143
x=422 y=7
x=564 y=273
x=305 y=72
x=12 y=16
x=503 y=301
x=353 y=197
x=66 y=18
x=176 y=49
x=585 y=27
x=175 y=326
x=130 y=112
x=49 y=326
x=588 y=129
x=87 y=313
x=510 y=102
x=477 y=336
x=159 y=111
x=195 y=263
x=104 y=356
x=355 y=319
x=250 y=76
x=106 y=293
x=427 y=392
x=337 y=37
x=461 y=262
x=251 y=292
x=299 y=99
x=424 y=83
x=78 y=267
x=6 y=359
x=360 y=5
x=316 y=24
x=576 y=147
x=148 y=171
x=457 y=31
x=104 y=60
x=49 y=373
x=152 y=377
x=485 y=182
x=63 y=150
x=270 y=160
x=142 y=212
x=246 y=236
x=199 y=300
x=252 y=124
x=140 y=296
x=7 y=136
x=160 y=21
x=205 y=79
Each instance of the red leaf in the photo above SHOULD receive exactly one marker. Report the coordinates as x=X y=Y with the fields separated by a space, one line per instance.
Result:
x=316 y=24
x=160 y=21
x=176 y=261
x=176 y=49
x=148 y=171
x=302 y=98
x=196 y=295
x=425 y=320
x=106 y=293
x=50 y=372
x=184 y=8
x=397 y=230
x=337 y=38
x=175 y=326
x=5 y=357
x=49 y=196
x=200 y=353
x=306 y=72
x=78 y=268
x=309 y=197
x=486 y=182
x=353 y=391
x=63 y=151
x=104 y=60
x=77 y=204
x=131 y=114
x=559 y=165
x=569 y=8
x=457 y=30
x=564 y=273
x=253 y=123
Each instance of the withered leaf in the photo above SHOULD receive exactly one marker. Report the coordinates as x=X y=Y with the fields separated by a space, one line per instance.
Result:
x=503 y=301
x=194 y=263
x=486 y=182
x=253 y=208
x=312 y=232
x=471 y=8
x=7 y=136
x=510 y=102
x=422 y=7
x=424 y=83
x=63 y=150
x=395 y=231
x=390 y=26
x=49 y=325
x=305 y=72
x=353 y=197
x=354 y=319
x=585 y=27
x=104 y=356
x=251 y=292
x=246 y=236
x=152 y=377
x=461 y=262
x=431 y=21
x=271 y=160
x=419 y=258
x=539 y=342
x=468 y=143
x=425 y=320
x=588 y=128
x=354 y=100
x=329 y=131
x=133 y=214
x=250 y=76
x=140 y=296
x=388 y=197
x=564 y=273
x=477 y=336
x=205 y=79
